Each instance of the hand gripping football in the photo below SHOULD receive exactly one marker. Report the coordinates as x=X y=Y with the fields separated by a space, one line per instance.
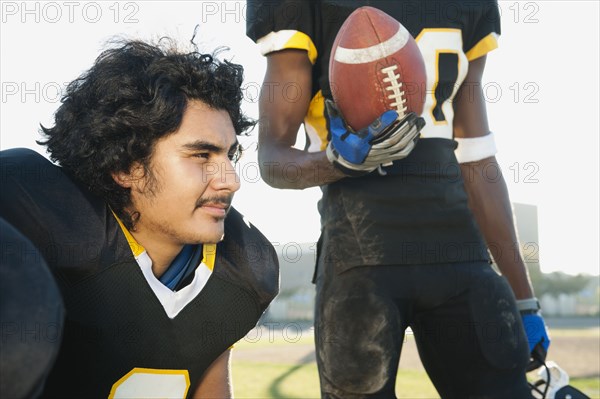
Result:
x=375 y=66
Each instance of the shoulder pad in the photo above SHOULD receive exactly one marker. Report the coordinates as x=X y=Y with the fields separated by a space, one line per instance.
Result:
x=247 y=258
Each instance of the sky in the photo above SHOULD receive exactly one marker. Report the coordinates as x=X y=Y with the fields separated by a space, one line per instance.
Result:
x=541 y=88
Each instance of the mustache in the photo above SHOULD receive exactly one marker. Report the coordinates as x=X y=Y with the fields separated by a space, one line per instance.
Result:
x=221 y=200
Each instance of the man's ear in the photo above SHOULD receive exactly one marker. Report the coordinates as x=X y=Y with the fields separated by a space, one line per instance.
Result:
x=130 y=179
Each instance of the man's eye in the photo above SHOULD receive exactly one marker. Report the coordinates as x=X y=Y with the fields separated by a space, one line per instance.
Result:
x=204 y=155
x=235 y=155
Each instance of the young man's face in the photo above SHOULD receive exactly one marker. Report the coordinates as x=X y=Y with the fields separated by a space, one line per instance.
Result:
x=193 y=182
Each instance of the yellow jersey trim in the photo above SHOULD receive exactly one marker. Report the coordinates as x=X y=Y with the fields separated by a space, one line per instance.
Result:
x=135 y=247
x=288 y=39
x=209 y=251
x=484 y=46
x=424 y=31
x=315 y=123
x=141 y=370
x=303 y=41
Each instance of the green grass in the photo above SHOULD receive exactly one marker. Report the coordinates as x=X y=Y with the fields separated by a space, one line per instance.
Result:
x=281 y=380
x=271 y=380
x=589 y=386
x=285 y=381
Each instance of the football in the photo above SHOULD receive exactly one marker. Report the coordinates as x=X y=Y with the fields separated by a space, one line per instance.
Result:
x=375 y=66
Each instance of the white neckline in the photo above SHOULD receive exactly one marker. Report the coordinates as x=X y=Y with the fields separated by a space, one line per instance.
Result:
x=171 y=301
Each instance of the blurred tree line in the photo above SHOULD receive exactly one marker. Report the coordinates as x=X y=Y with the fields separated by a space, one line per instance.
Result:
x=557 y=283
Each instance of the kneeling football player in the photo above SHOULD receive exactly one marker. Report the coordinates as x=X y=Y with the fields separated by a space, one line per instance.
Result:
x=137 y=227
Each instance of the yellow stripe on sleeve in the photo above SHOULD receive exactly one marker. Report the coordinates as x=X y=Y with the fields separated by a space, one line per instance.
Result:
x=304 y=42
x=484 y=46
x=288 y=39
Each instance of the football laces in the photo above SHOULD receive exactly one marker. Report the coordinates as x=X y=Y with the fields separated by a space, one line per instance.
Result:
x=394 y=86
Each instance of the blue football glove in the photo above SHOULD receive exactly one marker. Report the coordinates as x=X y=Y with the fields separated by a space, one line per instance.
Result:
x=385 y=140
x=536 y=331
x=535 y=328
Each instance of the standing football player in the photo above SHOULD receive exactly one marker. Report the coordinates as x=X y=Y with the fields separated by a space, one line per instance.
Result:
x=137 y=227
x=403 y=244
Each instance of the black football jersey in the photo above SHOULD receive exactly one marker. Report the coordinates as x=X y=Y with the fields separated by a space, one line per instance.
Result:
x=31 y=316
x=417 y=213
x=121 y=338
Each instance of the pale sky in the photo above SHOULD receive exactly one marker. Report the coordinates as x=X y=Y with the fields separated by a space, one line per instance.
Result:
x=541 y=88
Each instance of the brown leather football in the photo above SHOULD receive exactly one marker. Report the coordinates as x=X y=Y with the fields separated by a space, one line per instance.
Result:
x=375 y=66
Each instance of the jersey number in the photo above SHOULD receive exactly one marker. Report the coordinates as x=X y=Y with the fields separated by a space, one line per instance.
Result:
x=152 y=383
x=446 y=67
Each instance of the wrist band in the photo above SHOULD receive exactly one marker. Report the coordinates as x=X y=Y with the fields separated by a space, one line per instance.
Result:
x=475 y=148
x=528 y=304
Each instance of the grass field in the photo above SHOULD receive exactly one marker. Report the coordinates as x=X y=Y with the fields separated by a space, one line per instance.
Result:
x=269 y=380
x=278 y=380
x=273 y=367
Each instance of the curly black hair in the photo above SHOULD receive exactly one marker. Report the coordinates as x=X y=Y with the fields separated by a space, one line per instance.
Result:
x=134 y=94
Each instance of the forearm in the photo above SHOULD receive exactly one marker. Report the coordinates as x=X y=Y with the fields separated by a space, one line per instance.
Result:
x=216 y=381
x=282 y=165
x=490 y=204
x=296 y=169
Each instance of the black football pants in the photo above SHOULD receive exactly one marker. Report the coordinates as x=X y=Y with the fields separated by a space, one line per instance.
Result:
x=467 y=329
